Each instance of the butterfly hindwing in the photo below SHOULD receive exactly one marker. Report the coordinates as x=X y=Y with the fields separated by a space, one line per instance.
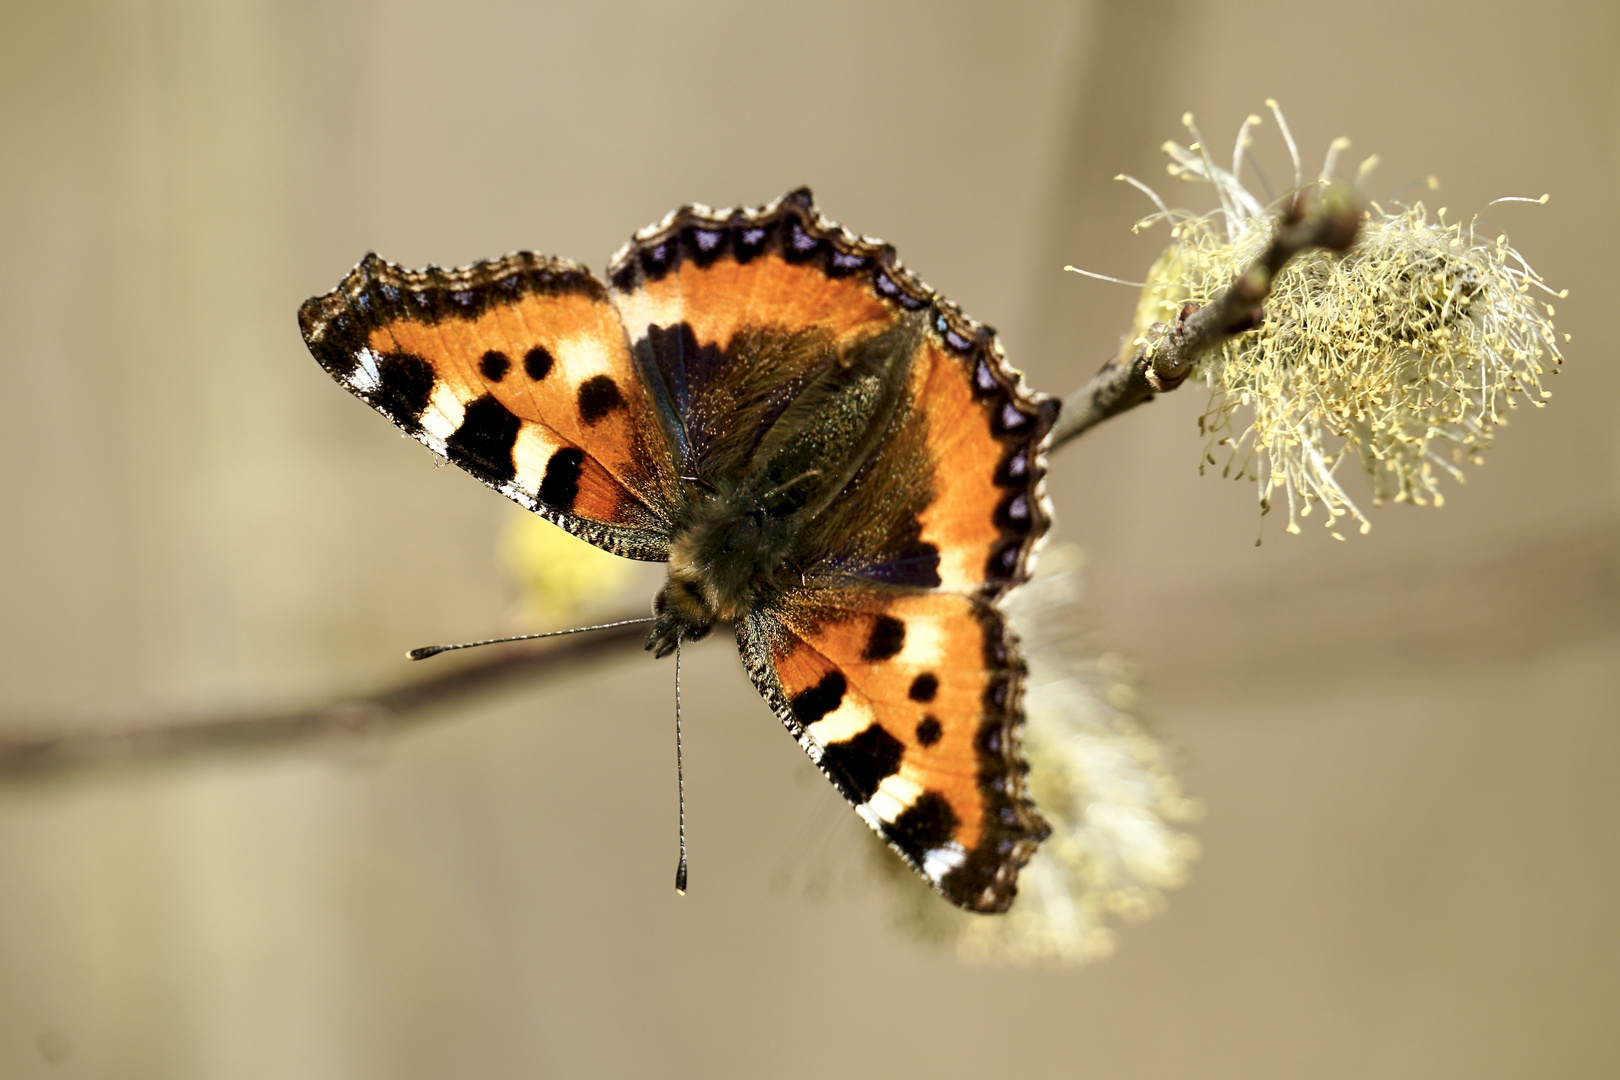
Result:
x=909 y=702
x=518 y=371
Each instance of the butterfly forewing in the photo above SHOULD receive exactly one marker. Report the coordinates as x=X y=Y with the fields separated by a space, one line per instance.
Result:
x=910 y=704
x=518 y=371
x=734 y=312
x=706 y=294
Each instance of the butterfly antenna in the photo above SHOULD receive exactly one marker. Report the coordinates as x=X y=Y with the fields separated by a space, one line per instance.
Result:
x=434 y=650
x=680 y=777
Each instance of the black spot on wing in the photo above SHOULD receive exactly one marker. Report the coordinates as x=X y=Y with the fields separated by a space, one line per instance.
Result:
x=862 y=762
x=404 y=388
x=749 y=239
x=560 y=486
x=927 y=824
x=537 y=363
x=924 y=687
x=598 y=396
x=659 y=259
x=483 y=443
x=494 y=365
x=1002 y=566
x=929 y=730
x=998 y=692
x=626 y=277
x=703 y=244
x=799 y=244
x=812 y=703
x=991 y=739
x=887 y=639
x=1014 y=514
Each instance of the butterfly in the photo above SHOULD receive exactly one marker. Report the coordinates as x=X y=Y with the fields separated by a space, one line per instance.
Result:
x=830 y=457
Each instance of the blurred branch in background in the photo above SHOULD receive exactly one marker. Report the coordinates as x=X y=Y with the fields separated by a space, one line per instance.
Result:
x=55 y=748
x=1563 y=588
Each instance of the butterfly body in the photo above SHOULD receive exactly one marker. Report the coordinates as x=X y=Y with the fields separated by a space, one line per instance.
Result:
x=745 y=526
x=828 y=456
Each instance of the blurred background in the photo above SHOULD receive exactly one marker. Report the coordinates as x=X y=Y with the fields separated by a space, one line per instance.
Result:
x=1407 y=744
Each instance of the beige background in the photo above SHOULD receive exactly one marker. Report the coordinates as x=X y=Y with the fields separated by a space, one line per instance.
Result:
x=1408 y=743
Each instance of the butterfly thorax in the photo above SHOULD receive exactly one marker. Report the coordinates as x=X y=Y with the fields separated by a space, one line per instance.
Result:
x=720 y=565
x=742 y=532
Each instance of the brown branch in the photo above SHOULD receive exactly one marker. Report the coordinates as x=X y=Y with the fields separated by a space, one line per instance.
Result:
x=51 y=752
x=1166 y=356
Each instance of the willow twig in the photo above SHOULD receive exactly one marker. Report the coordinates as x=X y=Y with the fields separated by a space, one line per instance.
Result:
x=1165 y=356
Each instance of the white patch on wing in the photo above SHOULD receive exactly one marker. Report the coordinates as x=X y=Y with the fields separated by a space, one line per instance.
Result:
x=852 y=717
x=531 y=453
x=444 y=413
x=895 y=795
x=640 y=310
x=584 y=356
x=925 y=643
x=368 y=375
x=942 y=860
x=959 y=567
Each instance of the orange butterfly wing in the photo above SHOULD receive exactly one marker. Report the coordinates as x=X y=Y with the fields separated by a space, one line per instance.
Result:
x=518 y=371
